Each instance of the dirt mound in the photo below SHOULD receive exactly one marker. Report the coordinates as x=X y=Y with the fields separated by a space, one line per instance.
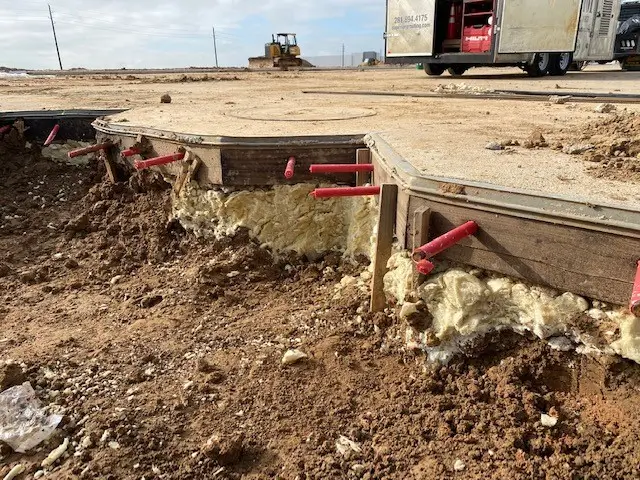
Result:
x=611 y=146
x=166 y=354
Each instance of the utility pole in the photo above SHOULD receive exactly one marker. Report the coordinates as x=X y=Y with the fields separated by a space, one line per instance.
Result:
x=215 y=45
x=343 y=55
x=55 y=38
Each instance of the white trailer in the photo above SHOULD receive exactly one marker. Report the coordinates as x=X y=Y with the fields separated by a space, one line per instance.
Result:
x=540 y=36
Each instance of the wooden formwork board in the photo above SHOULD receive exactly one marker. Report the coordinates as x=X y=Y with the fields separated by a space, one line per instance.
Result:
x=554 y=241
x=240 y=161
x=585 y=256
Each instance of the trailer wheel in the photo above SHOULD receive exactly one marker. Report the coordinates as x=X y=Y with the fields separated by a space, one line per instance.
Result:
x=457 y=70
x=434 y=69
x=540 y=65
x=560 y=64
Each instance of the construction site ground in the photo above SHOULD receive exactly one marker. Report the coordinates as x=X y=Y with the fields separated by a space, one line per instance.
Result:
x=165 y=350
x=439 y=136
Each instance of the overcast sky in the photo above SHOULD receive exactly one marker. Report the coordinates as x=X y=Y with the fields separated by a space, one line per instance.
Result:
x=161 y=33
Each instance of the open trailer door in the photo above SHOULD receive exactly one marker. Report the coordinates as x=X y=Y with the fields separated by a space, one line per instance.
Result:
x=539 y=26
x=410 y=28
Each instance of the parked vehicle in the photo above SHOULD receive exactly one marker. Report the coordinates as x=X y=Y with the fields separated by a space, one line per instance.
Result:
x=540 y=36
x=627 y=47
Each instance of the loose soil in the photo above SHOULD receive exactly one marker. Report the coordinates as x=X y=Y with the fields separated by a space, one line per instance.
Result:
x=614 y=143
x=173 y=346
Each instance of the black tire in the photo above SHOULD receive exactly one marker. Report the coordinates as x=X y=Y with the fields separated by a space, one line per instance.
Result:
x=457 y=70
x=560 y=63
x=540 y=65
x=434 y=69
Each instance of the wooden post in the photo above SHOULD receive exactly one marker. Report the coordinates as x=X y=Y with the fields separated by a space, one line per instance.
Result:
x=109 y=162
x=421 y=219
x=384 y=242
x=363 y=155
x=420 y=232
x=188 y=171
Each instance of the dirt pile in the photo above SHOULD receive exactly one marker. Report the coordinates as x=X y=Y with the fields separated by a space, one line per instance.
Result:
x=611 y=146
x=165 y=353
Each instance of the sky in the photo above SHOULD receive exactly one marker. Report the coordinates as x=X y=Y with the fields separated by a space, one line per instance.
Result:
x=177 y=33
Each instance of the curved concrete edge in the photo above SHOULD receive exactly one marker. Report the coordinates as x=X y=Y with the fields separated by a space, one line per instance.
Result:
x=188 y=139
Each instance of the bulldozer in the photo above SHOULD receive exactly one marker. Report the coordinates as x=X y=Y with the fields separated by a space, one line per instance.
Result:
x=283 y=52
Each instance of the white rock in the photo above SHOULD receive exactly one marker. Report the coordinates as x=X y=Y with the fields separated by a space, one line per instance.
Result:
x=493 y=146
x=105 y=436
x=577 y=149
x=408 y=309
x=605 y=108
x=86 y=442
x=347 y=448
x=293 y=356
x=459 y=465
x=38 y=474
x=114 y=445
x=14 y=472
x=58 y=256
x=548 y=420
x=56 y=454
x=116 y=279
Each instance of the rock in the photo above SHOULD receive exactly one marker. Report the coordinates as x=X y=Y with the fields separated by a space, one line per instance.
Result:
x=204 y=366
x=71 y=264
x=577 y=149
x=11 y=375
x=605 y=108
x=5 y=450
x=56 y=454
x=596 y=158
x=28 y=276
x=5 y=270
x=408 y=309
x=224 y=450
x=559 y=100
x=459 y=465
x=166 y=98
x=510 y=142
x=536 y=139
x=548 y=421
x=151 y=300
x=293 y=356
x=14 y=472
x=495 y=146
x=348 y=448
x=116 y=279
x=78 y=224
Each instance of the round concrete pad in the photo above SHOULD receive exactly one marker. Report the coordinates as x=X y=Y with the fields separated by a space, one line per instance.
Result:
x=302 y=114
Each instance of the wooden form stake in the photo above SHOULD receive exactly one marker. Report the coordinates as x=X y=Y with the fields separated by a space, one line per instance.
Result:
x=188 y=171
x=421 y=219
x=363 y=155
x=384 y=242
x=110 y=164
